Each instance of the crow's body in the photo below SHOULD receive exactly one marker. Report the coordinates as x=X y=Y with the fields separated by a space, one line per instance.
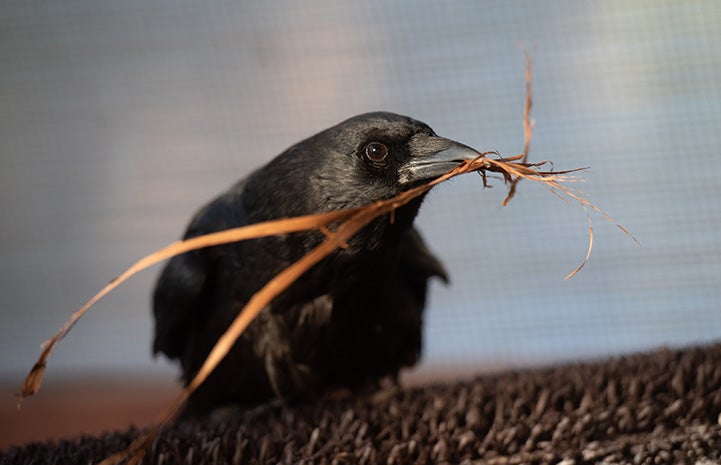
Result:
x=353 y=318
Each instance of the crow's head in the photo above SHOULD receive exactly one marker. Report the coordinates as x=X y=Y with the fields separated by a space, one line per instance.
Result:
x=363 y=159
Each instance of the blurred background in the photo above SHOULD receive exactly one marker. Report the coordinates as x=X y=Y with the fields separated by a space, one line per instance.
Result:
x=119 y=119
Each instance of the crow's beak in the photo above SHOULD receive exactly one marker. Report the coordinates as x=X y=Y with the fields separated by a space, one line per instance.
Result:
x=431 y=157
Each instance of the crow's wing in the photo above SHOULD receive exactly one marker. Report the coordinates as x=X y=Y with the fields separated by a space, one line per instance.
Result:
x=178 y=292
x=184 y=286
x=417 y=260
x=417 y=266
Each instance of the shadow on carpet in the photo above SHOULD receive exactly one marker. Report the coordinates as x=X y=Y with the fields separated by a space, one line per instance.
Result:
x=661 y=407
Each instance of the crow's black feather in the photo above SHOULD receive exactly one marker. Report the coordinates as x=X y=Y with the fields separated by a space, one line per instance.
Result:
x=353 y=318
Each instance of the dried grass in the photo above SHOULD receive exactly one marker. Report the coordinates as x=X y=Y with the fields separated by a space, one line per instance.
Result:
x=349 y=222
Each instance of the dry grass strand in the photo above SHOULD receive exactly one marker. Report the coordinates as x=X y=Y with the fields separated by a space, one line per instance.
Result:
x=349 y=222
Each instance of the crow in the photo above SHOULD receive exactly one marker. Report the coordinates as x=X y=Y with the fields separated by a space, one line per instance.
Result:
x=352 y=319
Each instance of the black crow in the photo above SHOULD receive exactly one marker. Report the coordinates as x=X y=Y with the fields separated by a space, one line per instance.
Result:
x=353 y=318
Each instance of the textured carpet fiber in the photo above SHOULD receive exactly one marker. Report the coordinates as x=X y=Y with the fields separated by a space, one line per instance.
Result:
x=661 y=407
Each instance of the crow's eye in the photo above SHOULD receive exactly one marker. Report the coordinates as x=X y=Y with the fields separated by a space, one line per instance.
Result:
x=375 y=151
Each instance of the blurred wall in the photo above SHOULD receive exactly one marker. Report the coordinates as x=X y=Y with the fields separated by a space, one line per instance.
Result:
x=119 y=119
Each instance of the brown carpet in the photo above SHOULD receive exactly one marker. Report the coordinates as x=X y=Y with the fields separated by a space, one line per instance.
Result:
x=661 y=407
